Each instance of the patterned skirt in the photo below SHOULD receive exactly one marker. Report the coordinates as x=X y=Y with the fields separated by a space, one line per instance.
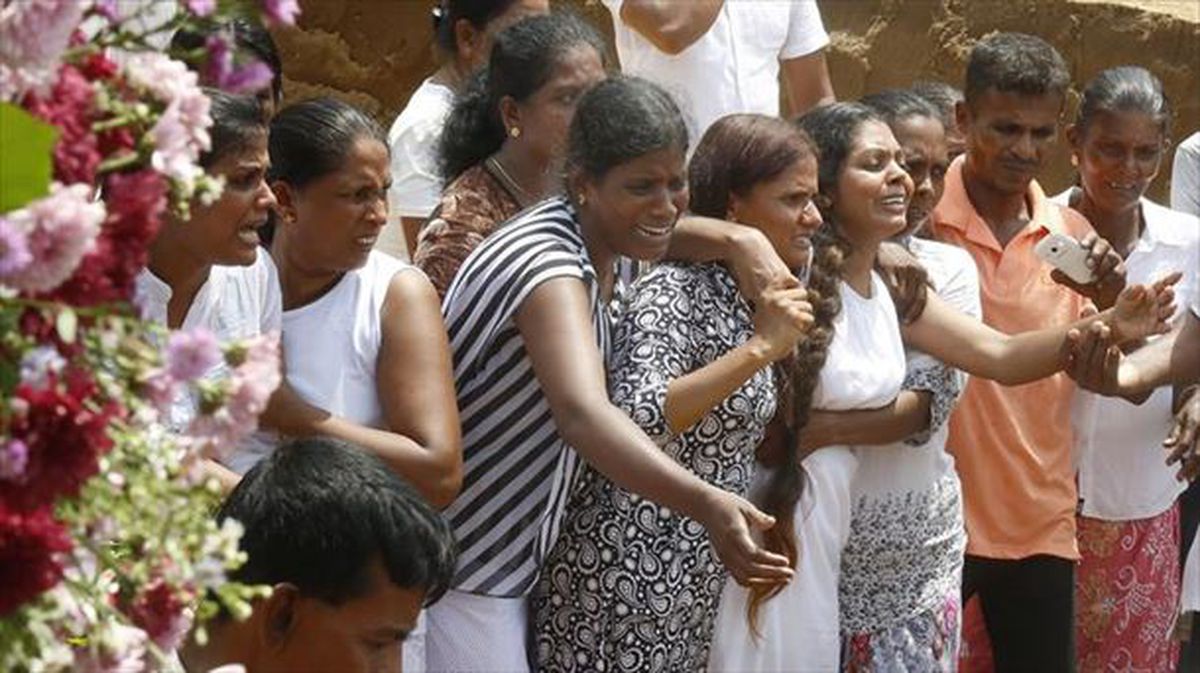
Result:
x=927 y=642
x=1127 y=593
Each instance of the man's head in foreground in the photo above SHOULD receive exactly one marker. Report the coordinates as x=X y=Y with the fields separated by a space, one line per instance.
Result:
x=351 y=552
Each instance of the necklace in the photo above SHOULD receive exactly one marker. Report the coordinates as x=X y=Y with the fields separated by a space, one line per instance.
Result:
x=519 y=194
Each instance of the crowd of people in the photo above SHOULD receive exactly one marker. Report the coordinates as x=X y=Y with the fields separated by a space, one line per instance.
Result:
x=678 y=380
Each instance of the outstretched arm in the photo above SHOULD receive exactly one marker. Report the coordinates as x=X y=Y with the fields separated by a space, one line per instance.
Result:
x=970 y=345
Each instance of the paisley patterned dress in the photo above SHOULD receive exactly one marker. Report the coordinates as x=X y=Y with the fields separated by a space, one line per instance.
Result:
x=631 y=585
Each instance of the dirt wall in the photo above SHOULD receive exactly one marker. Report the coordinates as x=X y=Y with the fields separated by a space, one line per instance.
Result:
x=375 y=52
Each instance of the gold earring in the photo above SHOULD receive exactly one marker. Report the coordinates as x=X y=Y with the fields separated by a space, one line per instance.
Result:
x=514 y=132
x=1074 y=160
x=582 y=198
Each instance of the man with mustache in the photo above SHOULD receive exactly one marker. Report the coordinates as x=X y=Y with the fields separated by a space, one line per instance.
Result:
x=1013 y=445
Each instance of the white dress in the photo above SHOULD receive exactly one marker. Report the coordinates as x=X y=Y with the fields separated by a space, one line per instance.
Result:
x=799 y=626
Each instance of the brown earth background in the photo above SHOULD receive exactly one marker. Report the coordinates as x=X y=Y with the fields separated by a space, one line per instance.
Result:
x=374 y=53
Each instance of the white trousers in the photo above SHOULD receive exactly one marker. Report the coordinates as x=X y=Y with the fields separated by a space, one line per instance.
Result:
x=469 y=633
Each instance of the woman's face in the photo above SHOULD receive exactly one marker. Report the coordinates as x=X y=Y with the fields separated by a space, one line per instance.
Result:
x=1118 y=155
x=923 y=140
x=545 y=117
x=783 y=209
x=873 y=190
x=634 y=207
x=226 y=231
x=333 y=222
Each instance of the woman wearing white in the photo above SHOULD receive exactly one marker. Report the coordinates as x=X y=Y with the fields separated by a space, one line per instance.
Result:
x=208 y=271
x=463 y=31
x=1118 y=142
x=364 y=344
x=866 y=193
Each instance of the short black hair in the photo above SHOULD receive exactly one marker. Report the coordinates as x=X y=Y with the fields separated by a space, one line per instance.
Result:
x=318 y=512
x=248 y=36
x=1015 y=63
x=235 y=121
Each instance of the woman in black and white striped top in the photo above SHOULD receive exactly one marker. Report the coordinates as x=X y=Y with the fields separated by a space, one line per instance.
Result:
x=529 y=317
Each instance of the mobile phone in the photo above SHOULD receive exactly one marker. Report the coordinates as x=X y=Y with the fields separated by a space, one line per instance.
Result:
x=1067 y=255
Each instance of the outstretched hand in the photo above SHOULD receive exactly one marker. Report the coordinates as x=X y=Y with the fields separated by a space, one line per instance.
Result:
x=1144 y=310
x=1092 y=360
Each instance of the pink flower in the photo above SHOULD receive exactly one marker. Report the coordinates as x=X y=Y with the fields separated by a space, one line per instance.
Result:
x=255 y=377
x=180 y=135
x=201 y=7
x=33 y=36
x=14 y=456
x=109 y=9
x=181 y=132
x=14 y=250
x=281 y=12
x=192 y=354
x=60 y=229
x=220 y=71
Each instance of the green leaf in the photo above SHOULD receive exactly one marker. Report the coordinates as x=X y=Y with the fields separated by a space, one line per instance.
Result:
x=26 y=157
x=66 y=323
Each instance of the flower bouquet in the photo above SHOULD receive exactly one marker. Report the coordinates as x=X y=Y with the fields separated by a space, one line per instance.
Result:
x=108 y=550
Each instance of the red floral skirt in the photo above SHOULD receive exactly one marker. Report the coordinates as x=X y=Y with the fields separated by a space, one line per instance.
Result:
x=1127 y=593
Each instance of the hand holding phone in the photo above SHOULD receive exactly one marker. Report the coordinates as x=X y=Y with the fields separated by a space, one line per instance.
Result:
x=1067 y=255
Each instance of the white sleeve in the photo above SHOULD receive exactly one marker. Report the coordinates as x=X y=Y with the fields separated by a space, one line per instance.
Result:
x=806 y=32
x=961 y=290
x=416 y=185
x=1185 y=176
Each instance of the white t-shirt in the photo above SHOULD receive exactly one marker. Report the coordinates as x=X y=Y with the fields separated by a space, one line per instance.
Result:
x=1185 y=176
x=1118 y=445
x=236 y=302
x=413 y=139
x=734 y=67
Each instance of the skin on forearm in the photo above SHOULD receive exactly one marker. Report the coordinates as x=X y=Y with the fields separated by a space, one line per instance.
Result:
x=670 y=25
x=555 y=320
x=902 y=418
x=806 y=80
x=702 y=239
x=693 y=395
x=976 y=348
x=1175 y=358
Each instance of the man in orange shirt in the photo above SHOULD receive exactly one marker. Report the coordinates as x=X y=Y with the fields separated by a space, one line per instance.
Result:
x=1013 y=444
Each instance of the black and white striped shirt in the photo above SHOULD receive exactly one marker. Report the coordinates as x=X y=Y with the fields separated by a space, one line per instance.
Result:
x=517 y=472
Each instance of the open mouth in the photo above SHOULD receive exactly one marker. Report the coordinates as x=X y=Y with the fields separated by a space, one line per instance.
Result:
x=896 y=203
x=366 y=241
x=655 y=230
x=249 y=235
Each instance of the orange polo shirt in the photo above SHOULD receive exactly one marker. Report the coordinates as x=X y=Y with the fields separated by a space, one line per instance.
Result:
x=1012 y=445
